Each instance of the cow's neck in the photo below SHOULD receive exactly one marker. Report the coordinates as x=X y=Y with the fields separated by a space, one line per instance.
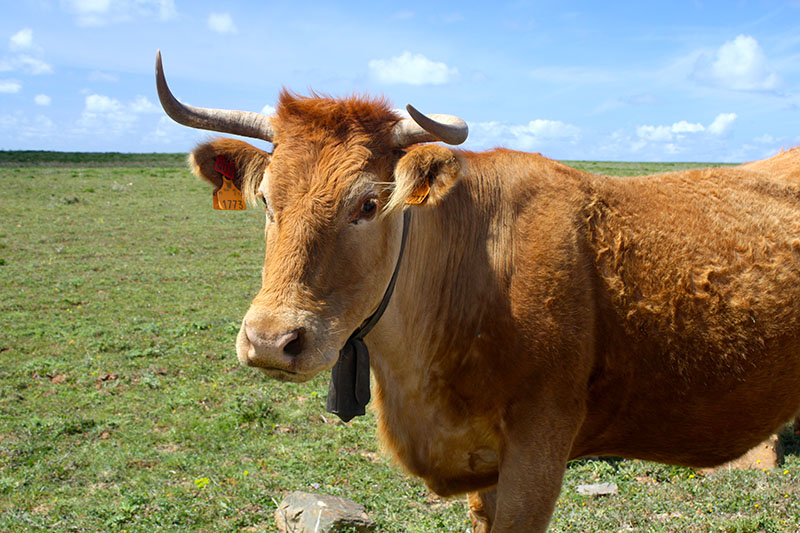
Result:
x=428 y=349
x=451 y=297
x=450 y=335
x=448 y=279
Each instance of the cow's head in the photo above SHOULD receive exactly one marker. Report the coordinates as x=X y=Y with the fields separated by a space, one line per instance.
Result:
x=334 y=189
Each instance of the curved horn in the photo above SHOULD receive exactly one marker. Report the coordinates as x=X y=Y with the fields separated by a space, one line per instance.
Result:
x=428 y=128
x=246 y=123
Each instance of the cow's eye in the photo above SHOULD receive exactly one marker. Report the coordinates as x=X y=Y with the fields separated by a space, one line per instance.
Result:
x=368 y=207
x=366 y=212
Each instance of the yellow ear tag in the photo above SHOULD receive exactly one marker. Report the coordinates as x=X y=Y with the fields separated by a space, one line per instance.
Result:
x=419 y=194
x=228 y=197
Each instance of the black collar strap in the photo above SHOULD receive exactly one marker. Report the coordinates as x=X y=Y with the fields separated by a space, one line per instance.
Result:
x=348 y=392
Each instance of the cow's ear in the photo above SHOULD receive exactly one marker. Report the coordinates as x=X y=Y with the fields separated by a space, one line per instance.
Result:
x=425 y=174
x=249 y=163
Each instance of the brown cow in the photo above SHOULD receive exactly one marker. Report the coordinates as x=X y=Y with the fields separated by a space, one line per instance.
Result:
x=540 y=314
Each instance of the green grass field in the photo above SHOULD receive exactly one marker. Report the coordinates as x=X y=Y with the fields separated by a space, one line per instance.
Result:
x=123 y=408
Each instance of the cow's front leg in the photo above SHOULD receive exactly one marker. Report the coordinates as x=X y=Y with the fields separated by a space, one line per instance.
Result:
x=527 y=494
x=481 y=510
x=532 y=466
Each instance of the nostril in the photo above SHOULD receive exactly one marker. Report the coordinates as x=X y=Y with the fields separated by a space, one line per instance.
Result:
x=250 y=333
x=296 y=342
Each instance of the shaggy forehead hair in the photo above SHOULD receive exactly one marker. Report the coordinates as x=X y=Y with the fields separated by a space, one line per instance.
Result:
x=327 y=144
x=354 y=120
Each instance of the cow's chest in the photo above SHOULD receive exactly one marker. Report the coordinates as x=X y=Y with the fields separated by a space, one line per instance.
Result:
x=452 y=453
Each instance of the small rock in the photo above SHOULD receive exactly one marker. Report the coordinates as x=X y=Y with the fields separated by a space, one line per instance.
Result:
x=598 y=489
x=303 y=512
x=58 y=379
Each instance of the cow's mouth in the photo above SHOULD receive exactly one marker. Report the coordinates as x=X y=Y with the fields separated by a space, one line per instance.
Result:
x=281 y=374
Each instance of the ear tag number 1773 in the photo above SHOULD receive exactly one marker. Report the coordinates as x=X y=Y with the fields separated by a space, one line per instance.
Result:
x=419 y=194
x=228 y=197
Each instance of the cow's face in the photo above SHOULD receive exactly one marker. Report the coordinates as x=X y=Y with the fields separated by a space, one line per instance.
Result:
x=333 y=200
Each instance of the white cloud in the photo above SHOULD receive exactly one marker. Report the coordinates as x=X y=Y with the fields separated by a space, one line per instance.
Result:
x=686 y=127
x=164 y=128
x=672 y=149
x=101 y=104
x=103 y=12
x=89 y=12
x=42 y=99
x=624 y=145
x=32 y=65
x=547 y=129
x=535 y=135
x=90 y=6
x=722 y=123
x=141 y=104
x=21 y=40
x=169 y=133
x=655 y=133
x=10 y=86
x=98 y=103
x=720 y=126
x=413 y=69
x=221 y=23
x=679 y=130
x=106 y=115
x=268 y=110
x=20 y=126
x=22 y=43
x=492 y=129
x=740 y=65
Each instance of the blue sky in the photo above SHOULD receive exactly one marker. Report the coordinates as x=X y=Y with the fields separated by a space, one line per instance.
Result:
x=645 y=81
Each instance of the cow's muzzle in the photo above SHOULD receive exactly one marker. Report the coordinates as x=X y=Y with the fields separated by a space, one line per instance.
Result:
x=281 y=352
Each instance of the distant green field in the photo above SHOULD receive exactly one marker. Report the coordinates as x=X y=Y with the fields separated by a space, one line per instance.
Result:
x=45 y=158
x=40 y=157
x=122 y=405
x=613 y=168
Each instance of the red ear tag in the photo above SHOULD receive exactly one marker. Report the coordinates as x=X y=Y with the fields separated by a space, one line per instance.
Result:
x=225 y=166
x=228 y=197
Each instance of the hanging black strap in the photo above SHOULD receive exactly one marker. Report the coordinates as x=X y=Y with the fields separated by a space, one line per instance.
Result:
x=348 y=392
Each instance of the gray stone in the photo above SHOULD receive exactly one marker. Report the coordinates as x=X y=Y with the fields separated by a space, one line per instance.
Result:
x=303 y=512
x=598 y=489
